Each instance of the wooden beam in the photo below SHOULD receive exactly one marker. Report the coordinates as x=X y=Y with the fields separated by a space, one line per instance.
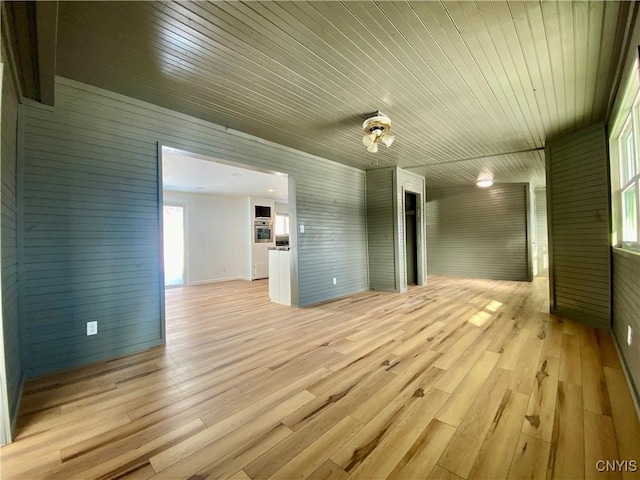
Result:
x=47 y=34
x=22 y=40
x=32 y=37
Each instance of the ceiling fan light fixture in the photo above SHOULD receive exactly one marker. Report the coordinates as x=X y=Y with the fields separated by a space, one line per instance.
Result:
x=377 y=128
x=368 y=139
x=388 y=139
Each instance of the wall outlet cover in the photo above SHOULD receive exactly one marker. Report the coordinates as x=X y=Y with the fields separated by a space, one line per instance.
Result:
x=335 y=280
x=92 y=328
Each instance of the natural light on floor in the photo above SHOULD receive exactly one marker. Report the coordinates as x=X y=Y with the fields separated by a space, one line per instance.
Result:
x=480 y=318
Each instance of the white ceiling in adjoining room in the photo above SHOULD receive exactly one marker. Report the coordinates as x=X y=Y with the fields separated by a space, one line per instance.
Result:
x=190 y=173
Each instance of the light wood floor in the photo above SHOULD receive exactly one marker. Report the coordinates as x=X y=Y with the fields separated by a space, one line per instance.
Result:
x=459 y=379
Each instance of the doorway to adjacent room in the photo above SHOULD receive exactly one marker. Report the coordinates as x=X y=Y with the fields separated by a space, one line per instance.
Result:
x=411 y=237
x=174 y=249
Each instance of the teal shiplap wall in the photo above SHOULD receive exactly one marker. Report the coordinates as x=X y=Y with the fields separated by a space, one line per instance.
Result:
x=626 y=311
x=91 y=221
x=8 y=240
x=478 y=233
x=386 y=227
x=579 y=224
x=380 y=225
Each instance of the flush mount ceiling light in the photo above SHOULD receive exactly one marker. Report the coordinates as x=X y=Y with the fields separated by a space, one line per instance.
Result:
x=377 y=128
x=484 y=181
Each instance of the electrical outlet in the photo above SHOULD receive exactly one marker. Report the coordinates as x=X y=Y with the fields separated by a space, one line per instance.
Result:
x=92 y=328
x=301 y=228
x=335 y=280
x=629 y=335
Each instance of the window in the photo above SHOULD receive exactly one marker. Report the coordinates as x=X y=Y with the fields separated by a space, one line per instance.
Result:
x=628 y=156
x=625 y=165
x=629 y=215
x=282 y=224
x=628 y=179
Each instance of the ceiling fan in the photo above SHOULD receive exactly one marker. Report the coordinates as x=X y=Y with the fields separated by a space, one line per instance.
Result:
x=376 y=128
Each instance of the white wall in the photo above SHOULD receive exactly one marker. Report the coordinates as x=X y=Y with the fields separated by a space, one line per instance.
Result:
x=541 y=232
x=282 y=208
x=217 y=237
x=532 y=233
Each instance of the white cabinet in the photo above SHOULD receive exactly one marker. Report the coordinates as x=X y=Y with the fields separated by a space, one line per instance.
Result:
x=280 y=276
x=274 y=275
x=284 y=274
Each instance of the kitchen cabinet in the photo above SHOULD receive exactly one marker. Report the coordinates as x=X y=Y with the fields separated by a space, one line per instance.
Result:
x=280 y=275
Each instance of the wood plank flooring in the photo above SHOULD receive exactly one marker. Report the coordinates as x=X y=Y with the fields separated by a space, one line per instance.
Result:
x=458 y=379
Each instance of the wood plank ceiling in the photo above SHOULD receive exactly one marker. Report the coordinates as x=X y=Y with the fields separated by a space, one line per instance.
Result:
x=464 y=83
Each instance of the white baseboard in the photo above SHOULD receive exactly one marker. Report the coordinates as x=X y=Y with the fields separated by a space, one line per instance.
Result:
x=218 y=280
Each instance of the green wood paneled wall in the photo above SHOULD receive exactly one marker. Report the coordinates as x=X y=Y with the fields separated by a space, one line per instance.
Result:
x=478 y=233
x=579 y=226
x=8 y=240
x=626 y=311
x=91 y=221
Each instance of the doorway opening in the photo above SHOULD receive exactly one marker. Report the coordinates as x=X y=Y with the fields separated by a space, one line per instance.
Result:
x=232 y=215
x=174 y=249
x=411 y=237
